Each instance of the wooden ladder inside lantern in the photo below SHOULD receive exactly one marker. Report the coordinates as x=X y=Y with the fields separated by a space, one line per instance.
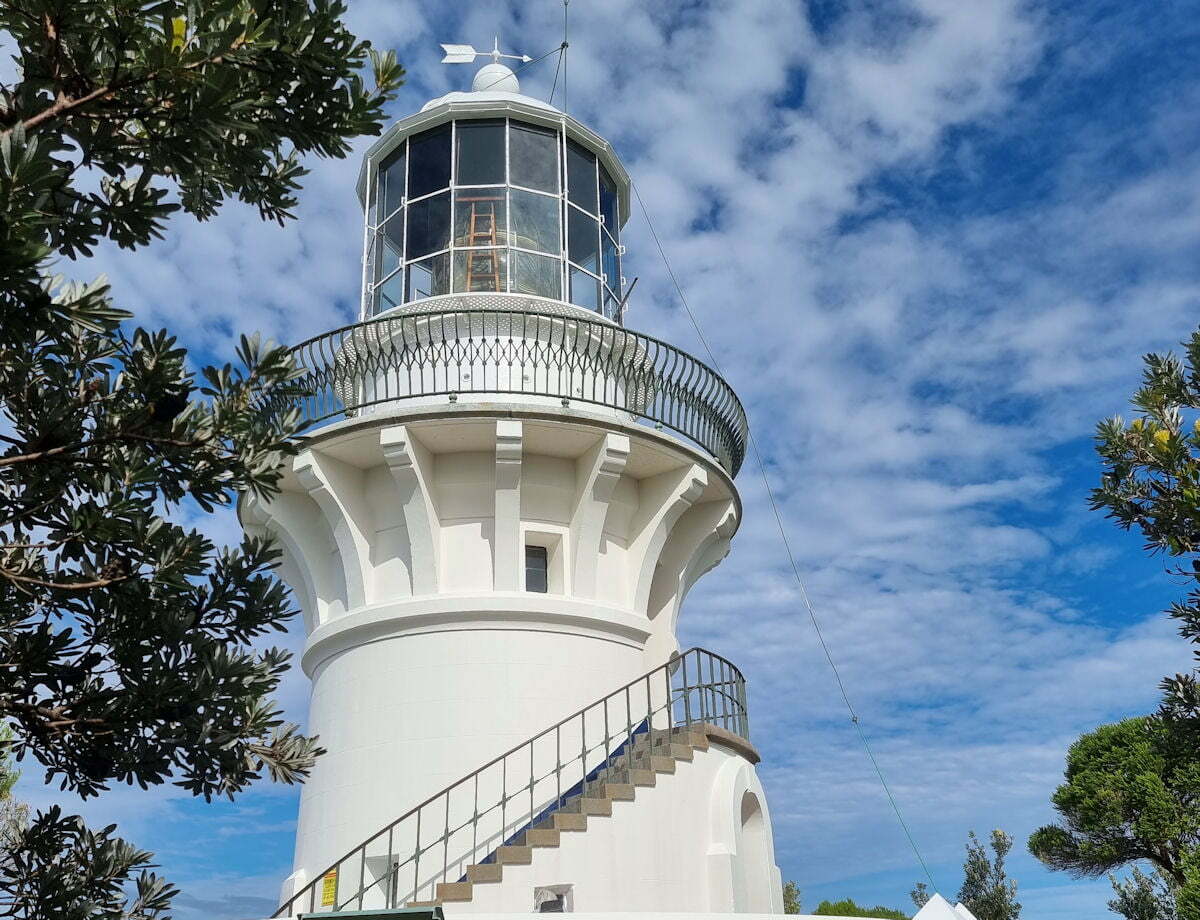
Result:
x=483 y=266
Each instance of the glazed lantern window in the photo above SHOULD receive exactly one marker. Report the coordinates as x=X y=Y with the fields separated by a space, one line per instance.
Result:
x=494 y=205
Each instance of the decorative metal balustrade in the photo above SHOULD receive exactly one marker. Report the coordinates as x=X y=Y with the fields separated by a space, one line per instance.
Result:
x=464 y=824
x=563 y=358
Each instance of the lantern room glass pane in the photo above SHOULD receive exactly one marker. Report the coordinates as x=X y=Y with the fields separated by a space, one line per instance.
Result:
x=534 y=274
x=429 y=162
x=391 y=183
x=612 y=306
x=480 y=153
x=610 y=262
x=585 y=290
x=428 y=278
x=535 y=222
x=581 y=176
x=533 y=153
x=389 y=292
x=477 y=270
x=390 y=238
x=479 y=217
x=428 y=226
x=608 y=202
x=583 y=240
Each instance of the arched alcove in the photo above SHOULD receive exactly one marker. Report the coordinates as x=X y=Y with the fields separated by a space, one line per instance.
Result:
x=754 y=858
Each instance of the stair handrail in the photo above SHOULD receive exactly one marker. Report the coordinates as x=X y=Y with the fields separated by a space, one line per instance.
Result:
x=721 y=701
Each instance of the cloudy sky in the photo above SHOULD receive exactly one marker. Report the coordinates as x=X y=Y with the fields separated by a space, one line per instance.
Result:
x=928 y=242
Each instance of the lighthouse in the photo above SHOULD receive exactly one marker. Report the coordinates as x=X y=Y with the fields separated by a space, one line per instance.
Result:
x=502 y=496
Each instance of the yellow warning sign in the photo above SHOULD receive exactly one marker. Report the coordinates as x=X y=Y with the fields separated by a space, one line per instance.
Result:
x=329 y=889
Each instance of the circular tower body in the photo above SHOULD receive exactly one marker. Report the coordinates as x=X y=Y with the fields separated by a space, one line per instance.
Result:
x=499 y=505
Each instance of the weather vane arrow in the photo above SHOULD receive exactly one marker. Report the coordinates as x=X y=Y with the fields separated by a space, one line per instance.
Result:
x=465 y=54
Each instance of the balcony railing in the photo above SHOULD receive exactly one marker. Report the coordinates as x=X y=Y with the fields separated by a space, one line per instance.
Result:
x=464 y=823
x=562 y=359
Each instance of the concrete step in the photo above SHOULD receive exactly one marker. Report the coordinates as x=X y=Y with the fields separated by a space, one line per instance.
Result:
x=538 y=837
x=678 y=751
x=658 y=763
x=697 y=739
x=637 y=776
x=564 y=821
x=436 y=902
x=514 y=855
x=617 y=792
x=484 y=873
x=453 y=891
x=586 y=805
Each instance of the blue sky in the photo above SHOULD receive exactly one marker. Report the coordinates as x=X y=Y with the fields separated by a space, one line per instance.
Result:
x=929 y=242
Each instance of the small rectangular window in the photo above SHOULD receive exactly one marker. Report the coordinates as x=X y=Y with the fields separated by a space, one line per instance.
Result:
x=536 y=569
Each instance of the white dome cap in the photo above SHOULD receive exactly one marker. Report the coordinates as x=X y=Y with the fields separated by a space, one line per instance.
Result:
x=496 y=78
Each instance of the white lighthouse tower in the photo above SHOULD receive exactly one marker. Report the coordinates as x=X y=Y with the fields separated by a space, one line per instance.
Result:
x=500 y=504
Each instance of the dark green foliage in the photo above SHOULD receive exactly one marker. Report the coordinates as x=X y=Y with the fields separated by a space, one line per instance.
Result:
x=1132 y=793
x=90 y=875
x=1151 y=480
x=987 y=891
x=791 y=898
x=128 y=110
x=848 y=908
x=125 y=636
x=1143 y=896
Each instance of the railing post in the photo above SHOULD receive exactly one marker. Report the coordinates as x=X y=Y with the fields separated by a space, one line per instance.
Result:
x=390 y=898
x=667 y=704
x=687 y=693
x=583 y=753
x=362 y=874
x=628 y=732
x=446 y=838
x=417 y=859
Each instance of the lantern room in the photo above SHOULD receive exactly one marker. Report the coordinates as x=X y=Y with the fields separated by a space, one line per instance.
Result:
x=493 y=192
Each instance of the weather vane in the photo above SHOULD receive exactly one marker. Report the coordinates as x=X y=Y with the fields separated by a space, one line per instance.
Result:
x=465 y=54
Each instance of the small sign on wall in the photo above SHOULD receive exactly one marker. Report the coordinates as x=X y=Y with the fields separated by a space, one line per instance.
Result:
x=329 y=888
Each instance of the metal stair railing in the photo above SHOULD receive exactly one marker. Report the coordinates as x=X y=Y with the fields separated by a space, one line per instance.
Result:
x=464 y=823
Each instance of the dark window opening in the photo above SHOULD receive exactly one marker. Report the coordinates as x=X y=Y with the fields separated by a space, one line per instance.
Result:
x=537 y=563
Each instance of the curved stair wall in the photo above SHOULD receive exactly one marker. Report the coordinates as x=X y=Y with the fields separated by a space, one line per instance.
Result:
x=489 y=839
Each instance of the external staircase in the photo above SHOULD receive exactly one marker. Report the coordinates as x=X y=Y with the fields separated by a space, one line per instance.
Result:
x=617 y=781
x=525 y=800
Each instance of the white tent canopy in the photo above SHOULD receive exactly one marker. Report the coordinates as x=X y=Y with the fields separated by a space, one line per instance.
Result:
x=938 y=908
